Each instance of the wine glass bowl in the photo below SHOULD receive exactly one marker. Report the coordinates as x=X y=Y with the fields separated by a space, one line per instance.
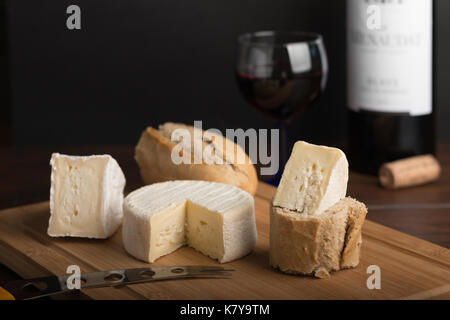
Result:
x=281 y=73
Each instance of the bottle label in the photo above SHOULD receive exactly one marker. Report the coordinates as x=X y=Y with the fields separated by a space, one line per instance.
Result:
x=389 y=56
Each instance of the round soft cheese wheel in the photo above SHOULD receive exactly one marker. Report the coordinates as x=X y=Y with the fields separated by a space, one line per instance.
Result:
x=214 y=218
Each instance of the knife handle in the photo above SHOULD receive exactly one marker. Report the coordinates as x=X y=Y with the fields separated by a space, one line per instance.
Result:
x=5 y=295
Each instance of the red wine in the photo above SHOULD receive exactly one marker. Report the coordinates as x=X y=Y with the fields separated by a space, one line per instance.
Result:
x=280 y=97
x=390 y=87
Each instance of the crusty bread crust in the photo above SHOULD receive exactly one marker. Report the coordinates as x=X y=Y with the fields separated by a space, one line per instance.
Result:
x=353 y=239
x=153 y=156
x=316 y=245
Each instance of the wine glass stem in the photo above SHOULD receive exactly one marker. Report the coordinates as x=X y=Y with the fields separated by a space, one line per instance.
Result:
x=283 y=127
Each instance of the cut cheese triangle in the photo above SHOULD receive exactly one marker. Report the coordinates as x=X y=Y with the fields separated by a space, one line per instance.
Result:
x=314 y=179
x=214 y=218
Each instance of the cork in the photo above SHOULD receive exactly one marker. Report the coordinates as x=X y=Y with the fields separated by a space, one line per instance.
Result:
x=409 y=172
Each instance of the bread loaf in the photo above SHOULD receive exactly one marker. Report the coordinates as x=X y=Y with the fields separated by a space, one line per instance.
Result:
x=228 y=163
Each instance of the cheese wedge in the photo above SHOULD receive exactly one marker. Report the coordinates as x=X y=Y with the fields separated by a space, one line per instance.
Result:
x=86 y=196
x=214 y=218
x=314 y=179
x=316 y=245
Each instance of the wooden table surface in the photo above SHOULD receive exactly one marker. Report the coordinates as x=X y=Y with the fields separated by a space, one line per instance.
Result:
x=422 y=211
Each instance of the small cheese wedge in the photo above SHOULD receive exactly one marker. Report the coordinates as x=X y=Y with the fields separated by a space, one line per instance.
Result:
x=86 y=196
x=314 y=179
x=318 y=244
x=214 y=218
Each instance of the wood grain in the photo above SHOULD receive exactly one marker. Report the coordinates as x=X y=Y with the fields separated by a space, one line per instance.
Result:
x=410 y=268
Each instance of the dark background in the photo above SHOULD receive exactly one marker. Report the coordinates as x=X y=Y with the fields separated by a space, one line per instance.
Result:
x=137 y=62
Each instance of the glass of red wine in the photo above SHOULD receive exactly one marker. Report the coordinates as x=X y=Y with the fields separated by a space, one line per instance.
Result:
x=281 y=74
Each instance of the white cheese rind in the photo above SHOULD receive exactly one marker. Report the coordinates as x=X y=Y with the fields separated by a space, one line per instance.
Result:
x=86 y=196
x=314 y=179
x=218 y=220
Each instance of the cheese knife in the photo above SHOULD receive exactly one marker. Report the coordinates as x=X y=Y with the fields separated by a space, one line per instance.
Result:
x=45 y=286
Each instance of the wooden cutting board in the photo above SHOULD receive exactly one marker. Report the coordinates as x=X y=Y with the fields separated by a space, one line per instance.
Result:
x=410 y=268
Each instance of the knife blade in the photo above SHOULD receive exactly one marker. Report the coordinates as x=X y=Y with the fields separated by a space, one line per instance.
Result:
x=45 y=286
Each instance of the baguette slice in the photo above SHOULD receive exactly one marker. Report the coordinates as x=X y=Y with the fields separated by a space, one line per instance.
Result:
x=316 y=245
x=154 y=149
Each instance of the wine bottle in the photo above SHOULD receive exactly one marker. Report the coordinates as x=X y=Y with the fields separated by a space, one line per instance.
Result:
x=390 y=80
